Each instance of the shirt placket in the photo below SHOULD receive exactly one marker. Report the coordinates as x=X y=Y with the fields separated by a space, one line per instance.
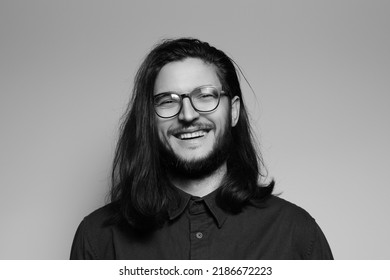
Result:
x=200 y=222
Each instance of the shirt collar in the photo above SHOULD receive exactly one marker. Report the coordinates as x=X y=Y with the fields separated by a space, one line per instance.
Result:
x=218 y=214
x=177 y=209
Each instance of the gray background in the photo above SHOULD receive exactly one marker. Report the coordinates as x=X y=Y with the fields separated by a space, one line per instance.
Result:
x=319 y=70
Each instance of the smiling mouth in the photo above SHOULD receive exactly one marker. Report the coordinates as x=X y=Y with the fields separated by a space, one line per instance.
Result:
x=191 y=135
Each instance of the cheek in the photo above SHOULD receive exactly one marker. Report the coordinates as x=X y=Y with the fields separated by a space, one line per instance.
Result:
x=162 y=129
x=224 y=121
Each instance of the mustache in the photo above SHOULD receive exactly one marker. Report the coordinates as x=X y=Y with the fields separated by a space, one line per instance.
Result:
x=190 y=128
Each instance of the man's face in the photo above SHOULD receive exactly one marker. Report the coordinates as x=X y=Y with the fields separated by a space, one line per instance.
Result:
x=193 y=136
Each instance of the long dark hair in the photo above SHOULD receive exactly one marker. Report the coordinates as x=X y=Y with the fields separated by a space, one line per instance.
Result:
x=140 y=188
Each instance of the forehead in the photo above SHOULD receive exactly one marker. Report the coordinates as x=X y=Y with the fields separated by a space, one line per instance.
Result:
x=185 y=75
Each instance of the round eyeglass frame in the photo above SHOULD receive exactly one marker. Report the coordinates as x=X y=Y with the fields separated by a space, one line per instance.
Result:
x=184 y=95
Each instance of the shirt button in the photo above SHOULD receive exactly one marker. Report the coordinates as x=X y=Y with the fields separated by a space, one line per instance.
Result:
x=199 y=235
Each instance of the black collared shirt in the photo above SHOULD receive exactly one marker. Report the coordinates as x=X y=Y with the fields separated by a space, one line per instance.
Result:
x=199 y=229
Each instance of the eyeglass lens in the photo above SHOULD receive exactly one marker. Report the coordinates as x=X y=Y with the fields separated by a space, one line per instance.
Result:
x=203 y=99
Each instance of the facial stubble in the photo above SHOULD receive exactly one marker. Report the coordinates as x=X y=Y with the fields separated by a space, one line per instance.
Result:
x=202 y=167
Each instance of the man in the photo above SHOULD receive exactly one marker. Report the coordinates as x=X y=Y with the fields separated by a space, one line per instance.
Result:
x=185 y=180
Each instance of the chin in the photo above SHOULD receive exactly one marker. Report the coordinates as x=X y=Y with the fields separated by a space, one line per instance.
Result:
x=193 y=156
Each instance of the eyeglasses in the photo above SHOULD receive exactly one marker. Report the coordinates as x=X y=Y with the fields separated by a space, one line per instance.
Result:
x=203 y=99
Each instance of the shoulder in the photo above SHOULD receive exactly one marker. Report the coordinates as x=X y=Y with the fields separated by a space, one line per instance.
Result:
x=290 y=215
x=99 y=225
x=300 y=226
x=283 y=208
x=94 y=234
x=101 y=217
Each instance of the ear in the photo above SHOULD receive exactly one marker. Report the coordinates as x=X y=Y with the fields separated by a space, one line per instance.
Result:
x=235 y=109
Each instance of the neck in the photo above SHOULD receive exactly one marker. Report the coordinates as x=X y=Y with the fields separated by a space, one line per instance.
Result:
x=200 y=186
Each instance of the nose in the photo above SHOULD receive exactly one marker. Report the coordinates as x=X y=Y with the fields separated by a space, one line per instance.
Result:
x=187 y=112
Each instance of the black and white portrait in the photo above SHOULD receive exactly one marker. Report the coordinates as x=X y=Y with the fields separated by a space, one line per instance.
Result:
x=194 y=129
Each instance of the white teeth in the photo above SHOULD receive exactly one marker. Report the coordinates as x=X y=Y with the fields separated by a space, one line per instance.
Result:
x=192 y=135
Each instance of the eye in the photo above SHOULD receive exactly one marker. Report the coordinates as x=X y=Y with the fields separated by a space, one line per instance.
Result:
x=206 y=93
x=166 y=99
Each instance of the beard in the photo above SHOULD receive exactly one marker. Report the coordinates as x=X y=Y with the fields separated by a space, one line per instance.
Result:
x=198 y=168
